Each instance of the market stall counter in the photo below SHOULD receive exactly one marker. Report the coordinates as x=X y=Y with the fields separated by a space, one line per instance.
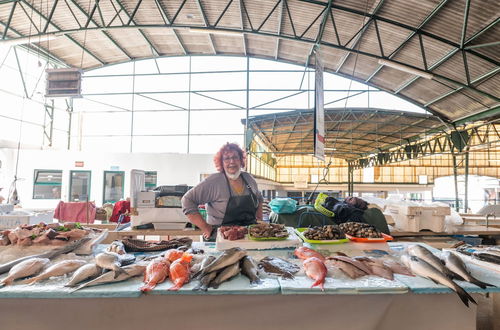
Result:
x=369 y=302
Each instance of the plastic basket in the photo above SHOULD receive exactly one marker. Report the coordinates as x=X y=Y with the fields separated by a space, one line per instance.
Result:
x=319 y=207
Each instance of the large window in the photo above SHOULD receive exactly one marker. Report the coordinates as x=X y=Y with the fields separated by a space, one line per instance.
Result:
x=47 y=184
x=114 y=182
x=79 y=185
x=151 y=179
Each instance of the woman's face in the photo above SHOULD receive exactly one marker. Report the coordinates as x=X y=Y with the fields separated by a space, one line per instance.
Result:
x=231 y=162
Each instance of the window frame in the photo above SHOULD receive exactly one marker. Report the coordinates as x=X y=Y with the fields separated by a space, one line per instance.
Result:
x=37 y=171
x=104 y=201
x=89 y=186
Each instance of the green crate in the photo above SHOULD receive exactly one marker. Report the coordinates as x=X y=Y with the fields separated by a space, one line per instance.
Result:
x=318 y=207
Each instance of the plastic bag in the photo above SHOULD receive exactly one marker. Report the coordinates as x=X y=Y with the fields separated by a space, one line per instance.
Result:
x=283 y=205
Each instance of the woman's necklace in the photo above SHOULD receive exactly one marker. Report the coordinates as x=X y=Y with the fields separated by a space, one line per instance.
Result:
x=237 y=186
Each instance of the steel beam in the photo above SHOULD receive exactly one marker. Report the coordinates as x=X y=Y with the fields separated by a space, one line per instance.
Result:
x=9 y=20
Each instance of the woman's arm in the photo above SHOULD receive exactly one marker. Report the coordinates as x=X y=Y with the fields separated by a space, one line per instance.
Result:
x=197 y=220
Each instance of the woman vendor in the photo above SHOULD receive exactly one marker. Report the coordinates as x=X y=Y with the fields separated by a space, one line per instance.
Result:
x=231 y=196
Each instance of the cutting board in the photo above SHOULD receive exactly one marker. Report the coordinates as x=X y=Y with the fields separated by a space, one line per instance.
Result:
x=291 y=242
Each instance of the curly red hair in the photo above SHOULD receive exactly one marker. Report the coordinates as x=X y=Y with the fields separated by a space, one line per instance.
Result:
x=227 y=148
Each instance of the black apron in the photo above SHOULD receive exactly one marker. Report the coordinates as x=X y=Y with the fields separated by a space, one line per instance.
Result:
x=240 y=210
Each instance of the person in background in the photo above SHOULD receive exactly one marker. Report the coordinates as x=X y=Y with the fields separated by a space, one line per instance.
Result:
x=231 y=195
x=1 y=197
x=56 y=193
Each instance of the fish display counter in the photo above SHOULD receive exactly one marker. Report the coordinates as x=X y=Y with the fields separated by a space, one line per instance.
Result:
x=277 y=302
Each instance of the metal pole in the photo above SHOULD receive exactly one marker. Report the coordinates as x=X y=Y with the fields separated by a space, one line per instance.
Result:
x=189 y=106
x=455 y=174
x=466 y=190
x=247 y=105
x=132 y=109
x=70 y=114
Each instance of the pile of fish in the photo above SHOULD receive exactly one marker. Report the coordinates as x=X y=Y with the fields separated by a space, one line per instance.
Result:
x=424 y=263
x=216 y=270
x=268 y=230
x=359 y=229
x=233 y=233
x=488 y=254
x=43 y=234
x=314 y=265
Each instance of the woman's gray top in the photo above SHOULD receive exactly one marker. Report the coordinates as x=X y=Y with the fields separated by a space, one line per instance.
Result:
x=214 y=192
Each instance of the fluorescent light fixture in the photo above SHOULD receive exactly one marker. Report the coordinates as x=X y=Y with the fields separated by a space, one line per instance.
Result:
x=331 y=149
x=405 y=68
x=28 y=40
x=216 y=31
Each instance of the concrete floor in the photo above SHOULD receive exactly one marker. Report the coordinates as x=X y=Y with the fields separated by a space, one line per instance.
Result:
x=488 y=312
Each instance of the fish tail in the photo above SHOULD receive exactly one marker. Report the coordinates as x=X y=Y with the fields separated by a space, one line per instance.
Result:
x=319 y=282
x=148 y=287
x=479 y=283
x=119 y=271
x=256 y=281
x=464 y=296
x=31 y=281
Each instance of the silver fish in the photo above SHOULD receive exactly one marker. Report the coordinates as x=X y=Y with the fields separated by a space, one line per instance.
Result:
x=429 y=257
x=205 y=282
x=227 y=258
x=250 y=270
x=226 y=274
x=456 y=265
x=49 y=254
x=88 y=247
x=204 y=263
x=85 y=272
x=111 y=261
x=24 y=269
x=58 y=269
x=422 y=268
x=109 y=277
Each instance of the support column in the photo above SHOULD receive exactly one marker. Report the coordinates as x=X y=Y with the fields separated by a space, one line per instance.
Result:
x=350 y=180
x=245 y=135
x=455 y=178
x=69 y=109
x=48 y=126
x=466 y=190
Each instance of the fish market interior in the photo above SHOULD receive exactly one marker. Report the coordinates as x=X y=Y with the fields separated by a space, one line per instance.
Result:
x=273 y=164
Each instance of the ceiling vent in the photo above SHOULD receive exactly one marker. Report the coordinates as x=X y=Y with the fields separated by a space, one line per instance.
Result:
x=65 y=82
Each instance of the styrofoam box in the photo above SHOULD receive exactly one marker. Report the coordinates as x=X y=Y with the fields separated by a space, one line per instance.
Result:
x=153 y=215
x=417 y=218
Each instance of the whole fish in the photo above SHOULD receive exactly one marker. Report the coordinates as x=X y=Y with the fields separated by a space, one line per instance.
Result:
x=347 y=268
x=227 y=258
x=205 y=282
x=305 y=253
x=429 y=257
x=204 y=263
x=354 y=262
x=316 y=270
x=422 y=268
x=397 y=268
x=278 y=266
x=456 y=265
x=250 y=270
x=179 y=272
x=88 y=247
x=111 y=261
x=226 y=274
x=24 y=269
x=488 y=257
x=109 y=277
x=49 y=254
x=156 y=272
x=58 y=269
x=173 y=254
x=85 y=272
x=377 y=267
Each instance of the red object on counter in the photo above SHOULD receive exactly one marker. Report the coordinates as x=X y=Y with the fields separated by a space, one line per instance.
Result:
x=120 y=207
x=83 y=212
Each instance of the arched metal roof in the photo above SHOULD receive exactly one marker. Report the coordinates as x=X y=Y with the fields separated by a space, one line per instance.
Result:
x=456 y=43
x=350 y=133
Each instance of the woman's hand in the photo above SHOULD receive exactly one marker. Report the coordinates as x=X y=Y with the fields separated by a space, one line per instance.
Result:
x=207 y=231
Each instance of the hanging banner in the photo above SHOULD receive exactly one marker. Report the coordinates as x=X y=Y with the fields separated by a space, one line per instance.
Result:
x=319 y=110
